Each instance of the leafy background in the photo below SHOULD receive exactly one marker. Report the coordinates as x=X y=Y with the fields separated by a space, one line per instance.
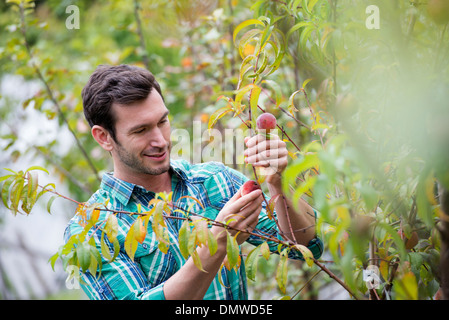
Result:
x=364 y=112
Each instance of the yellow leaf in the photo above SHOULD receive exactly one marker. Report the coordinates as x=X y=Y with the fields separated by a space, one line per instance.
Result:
x=111 y=227
x=197 y=261
x=140 y=232
x=265 y=250
x=183 y=239
x=193 y=198
x=281 y=272
x=271 y=205
x=384 y=268
x=130 y=243
x=306 y=253
x=233 y=252
x=406 y=287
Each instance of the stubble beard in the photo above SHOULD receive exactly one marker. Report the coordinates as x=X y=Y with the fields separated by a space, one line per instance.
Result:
x=136 y=164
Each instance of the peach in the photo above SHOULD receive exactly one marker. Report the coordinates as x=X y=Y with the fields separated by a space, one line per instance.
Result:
x=266 y=121
x=249 y=186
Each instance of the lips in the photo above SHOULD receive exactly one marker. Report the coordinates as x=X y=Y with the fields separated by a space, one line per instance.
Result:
x=157 y=156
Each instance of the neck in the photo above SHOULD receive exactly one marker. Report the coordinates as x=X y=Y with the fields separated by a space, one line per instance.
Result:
x=154 y=183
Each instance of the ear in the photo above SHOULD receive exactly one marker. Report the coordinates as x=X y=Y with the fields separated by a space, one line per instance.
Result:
x=103 y=137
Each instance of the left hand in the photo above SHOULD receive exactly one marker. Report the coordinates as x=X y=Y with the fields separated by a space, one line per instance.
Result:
x=270 y=154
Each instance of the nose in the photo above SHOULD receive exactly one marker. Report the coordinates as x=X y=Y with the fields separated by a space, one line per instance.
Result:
x=157 y=139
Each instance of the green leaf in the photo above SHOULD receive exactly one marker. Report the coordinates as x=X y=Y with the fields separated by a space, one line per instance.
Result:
x=197 y=261
x=282 y=270
x=6 y=192
x=16 y=194
x=50 y=202
x=305 y=36
x=241 y=92
x=96 y=262
x=116 y=245
x=245 y=24
x=32 y=186
x=84 y=256
x=37 y=168
x=212 y=243
x=7 y=177
x=232 y=250
x=53 y=259
x=306 y=82
x=296 y=27
x=254 y=99
x=247 y=39
x=265 y=36
x=251 y=262
x=183 y=239
x=105 y=249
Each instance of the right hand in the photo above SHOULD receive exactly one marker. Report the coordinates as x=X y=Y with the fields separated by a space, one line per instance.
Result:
x=240 y=212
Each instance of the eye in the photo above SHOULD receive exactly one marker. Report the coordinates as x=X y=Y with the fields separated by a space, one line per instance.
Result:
x=141 y=130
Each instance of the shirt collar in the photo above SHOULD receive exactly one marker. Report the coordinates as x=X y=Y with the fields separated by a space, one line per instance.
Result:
x=122 y=190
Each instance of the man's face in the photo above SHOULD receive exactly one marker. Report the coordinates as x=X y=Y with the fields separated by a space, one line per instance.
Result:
x=143 y=137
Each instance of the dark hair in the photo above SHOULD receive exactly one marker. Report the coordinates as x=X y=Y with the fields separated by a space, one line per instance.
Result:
x=123 y=84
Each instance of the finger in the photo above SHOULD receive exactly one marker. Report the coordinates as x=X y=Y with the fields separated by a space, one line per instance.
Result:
x=247 y=210
x=248 y=215
x=254 y=219
x=242 y=201
x=270 y=154
x=260 y=138
x=250 y=223
x=265 y=145
x=234 y=198
x=264 y=162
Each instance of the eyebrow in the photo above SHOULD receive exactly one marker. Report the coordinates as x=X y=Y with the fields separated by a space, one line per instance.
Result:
x=144 y=124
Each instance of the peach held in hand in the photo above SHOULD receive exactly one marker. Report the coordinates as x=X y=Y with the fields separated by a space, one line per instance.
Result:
x=249 y=186
x=266 y=121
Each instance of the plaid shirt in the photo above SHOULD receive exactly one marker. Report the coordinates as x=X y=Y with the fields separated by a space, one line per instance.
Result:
x=213 y=184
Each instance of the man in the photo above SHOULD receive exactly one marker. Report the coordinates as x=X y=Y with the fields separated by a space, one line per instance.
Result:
x=126 y=111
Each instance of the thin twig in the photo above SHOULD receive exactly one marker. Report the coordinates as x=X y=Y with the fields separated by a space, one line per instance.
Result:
x=140 y=34
x=305 y=284
x=50 y=92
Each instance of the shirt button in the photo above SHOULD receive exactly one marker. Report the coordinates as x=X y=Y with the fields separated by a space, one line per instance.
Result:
x=144 y=246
